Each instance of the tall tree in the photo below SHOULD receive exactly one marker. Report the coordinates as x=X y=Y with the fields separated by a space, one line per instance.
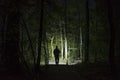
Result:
x=65 y=33
x=12 y=34
x=61 y=34
x=112 y=41
x=87 y=32
x=80 y=30
x=40 y=35
x=3 y=34
x=46 y=51
x=30 y=41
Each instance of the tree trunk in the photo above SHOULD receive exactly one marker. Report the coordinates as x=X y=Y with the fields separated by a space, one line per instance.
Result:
x=12 y=41
x=3 y=35
x=31 y=45
x=52 y=38
x=112 y=42
x=40 y=36
x=46 y=54
x=63 y=43
x=45 y=41
x=61 y=32
x=87 y=33
x=23 y=62
x=81 y=54
x=96 y=25
x=80 y=31
x=65 y=33
x=11 y=34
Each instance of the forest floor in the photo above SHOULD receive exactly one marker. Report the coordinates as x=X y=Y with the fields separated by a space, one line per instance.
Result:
x=78 y=72
x=61 y=72
x=65 y=72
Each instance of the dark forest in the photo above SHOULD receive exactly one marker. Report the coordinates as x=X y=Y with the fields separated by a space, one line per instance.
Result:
x=59 y=40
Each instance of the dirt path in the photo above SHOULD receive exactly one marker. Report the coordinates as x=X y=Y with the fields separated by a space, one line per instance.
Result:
x=61 y=73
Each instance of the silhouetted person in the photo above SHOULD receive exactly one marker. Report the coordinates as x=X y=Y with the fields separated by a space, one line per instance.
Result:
x=56 y=55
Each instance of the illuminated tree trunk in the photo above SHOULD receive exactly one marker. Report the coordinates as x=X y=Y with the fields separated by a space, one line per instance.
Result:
x=80 y=31
x=81 y=54
x=65 y=32
x=52 y=46
x=65 y=43
x=61 y=32
x=45 y=45
x=46 y=52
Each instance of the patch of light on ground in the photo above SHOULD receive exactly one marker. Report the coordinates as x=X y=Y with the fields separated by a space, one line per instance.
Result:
x=64 y=62
x=61 y=61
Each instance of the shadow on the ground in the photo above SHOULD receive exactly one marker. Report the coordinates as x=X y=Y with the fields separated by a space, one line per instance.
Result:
x=62 y=72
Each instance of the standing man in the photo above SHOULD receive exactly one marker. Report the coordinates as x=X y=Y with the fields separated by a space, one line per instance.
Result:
x=56 y=55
